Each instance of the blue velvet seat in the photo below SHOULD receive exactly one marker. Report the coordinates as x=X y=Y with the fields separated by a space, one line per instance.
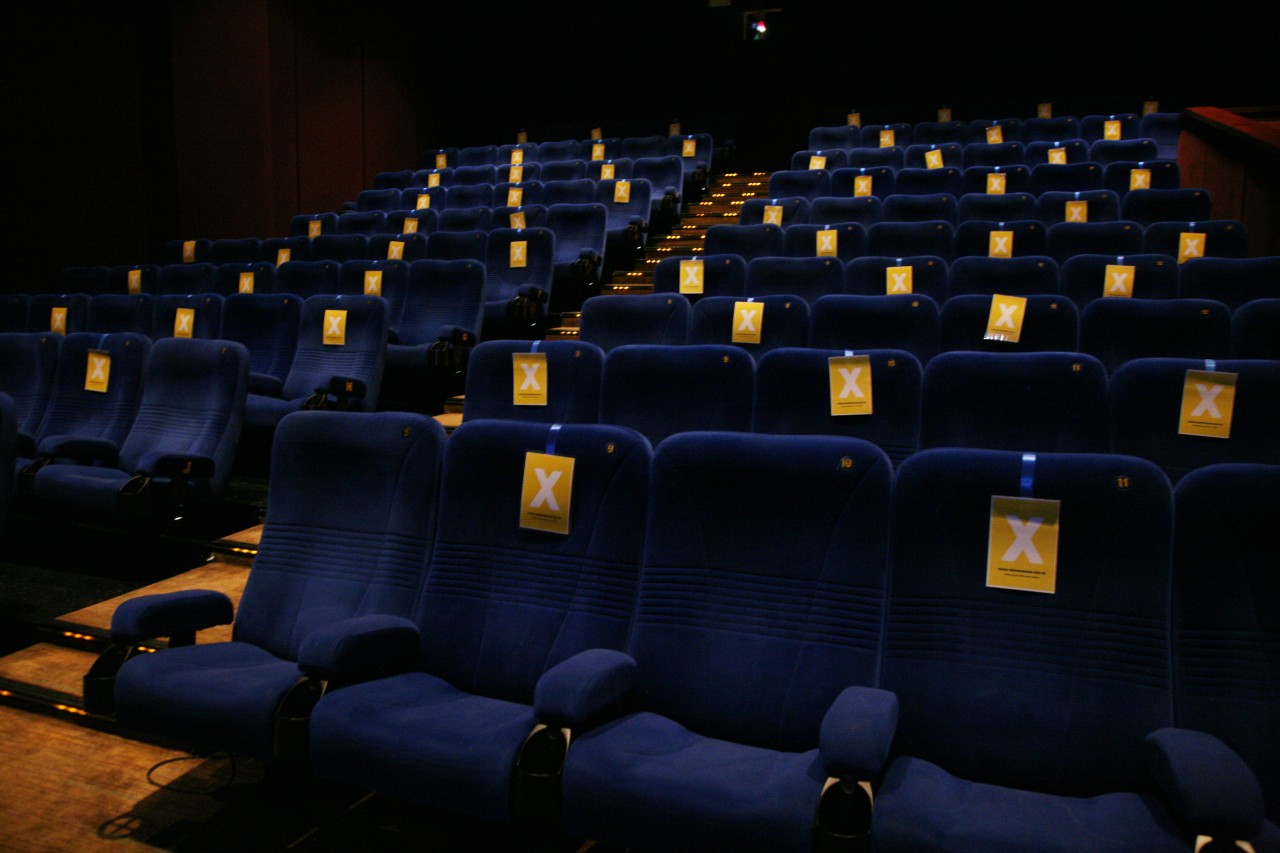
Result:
x=1020 y=276
x=1231 y=281
x=652 y=318
x=879 y=275
x=809 y=278
x=570 y=382
x=782 y=320
x=841 y=241
x=906 y=321
x=1084 y=277
x=1118 y=330
x=1049 y=324
x=721 y=275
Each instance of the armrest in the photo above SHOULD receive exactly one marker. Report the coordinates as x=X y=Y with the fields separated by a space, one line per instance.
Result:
x=456 y=335
x=81 y=449
x=159 y=464
x=169 y=614
x=582 y=686
x=591 y=256
x=857 y=732
x=531 y=291
x=1209 y=787
x=263 y=383
x=361 y=648
x=344 y=388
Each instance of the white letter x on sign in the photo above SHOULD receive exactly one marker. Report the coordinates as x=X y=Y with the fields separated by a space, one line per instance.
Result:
x=1006 y=316
x=851 y=382
x=546 y=495
x=530 y=378
x=748 y=323
x=1022 y=543
x=335 y=324
x=97 y=364
x=1118 y=281
x=1208 y=393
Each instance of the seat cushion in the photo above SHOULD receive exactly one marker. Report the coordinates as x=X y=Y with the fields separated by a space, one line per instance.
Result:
x=647 y=781
x=921 y=807
x=416 y=737
x=81 y=490
x=220 y=694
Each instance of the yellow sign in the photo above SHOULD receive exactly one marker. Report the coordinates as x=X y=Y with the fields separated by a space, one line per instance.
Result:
x=1044 y=110
x=97 y=372
x=135 y=281
x=184 y=322
x=433 y=180
x=283 y=256
x=596 y=133
x=522 y=138
x=335 y=327
x=933 y=159
x=1004 y=323
x=1077 y=211
x=622 y=192
x=1000 y=244
x=996 y=183
x=1022 y=547
x=517 y=156
x=828 y=243
x=817 y=161
x=607 y=172
x=850 y=379
x=1149 y=107
x=854 y=119
x=409 y=226
x=1111 y=129
x=313 y=227
x=395 y=250
x=673 y=129
x=373 y=282
x=1190 y=245
x=189 y=251
x=886 y=138
x=1119 y=280
x=748 y=322
x=518 y=254
x=546 y=492
x=597 y=151
x=58 y=320
x=515 y=175
x=1139 y=179
x=442 y=161
x=944 y=114
x=995 y=135
x=515 y=197
x=689 y=148
x=691 y=276
x=423 y=202
x=246 y=282
x=517 y=220
x=1208 y=398
x=528 y=379
x=1058 y=156
x=773 y=214
x=862 y=186
x=898 y=280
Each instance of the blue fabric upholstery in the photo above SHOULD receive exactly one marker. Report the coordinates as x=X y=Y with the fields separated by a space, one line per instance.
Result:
x=300 y=225
x=746 y=241
x=1023 y=714
x=257 y=276
x=897 y=321
x=330 y=247
x=267 y=325
x=722 y=275
x=343 y=485
x=804 y=240
x=1104 y=151
x=1167 y=205
x=952 y=154
x=1068 y=239
x=805 y=183
x=1050 y=129
x=501 y=606
x=974 y=237
x=659 y=391
x=837 y=136
x=1084 y=277
x=752 y=620
x=870 y=276
x=783 y=322
x=921 y=181
x=28 y=362
x=506 y=279
x=810 y=278
x=794 y=209
x=654 y=318
x=1103 y=206
x=1231 y=281
x=1019 y=276
x=40 y=317
x=308 y=278
x=455 y=246
x=1253 y=329
x=861 y=210
x=1037 y=154
x=355 y=222
x=1065 y=177
x=1001 y=207
x=974 y=179
x=1050 y=324
x=1047 y=402
x=184 y=278
x=1164 y=174
x=1146 y=406
x=1223 y=238
x=844 y=181
x=920 y=207
x=1118 y=330
x=898 y=239
x=244 y=250
x=572 y=382
x=793 y=397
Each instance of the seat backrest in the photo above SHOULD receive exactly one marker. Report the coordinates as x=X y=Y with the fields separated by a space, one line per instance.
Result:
x=502 y=602
x=758 y=324
x=924 y=181
x=518 y=258
x=841 y=242
x=331 y=247
x=993 y=180
x=1226 y=611
x=1065 y=177
x=312 y=224
x=342 y=484
x=577 y=227
x=1020 y=276
x=543 y=381
x=185 y=278
x=121 y=312
x=440 y=294
x=28 y=363
x=920 y=207
x=1047 y=402
x=1086 y=277
x=1066 y=150
x=1118 y=330
x=1089 y=206
x=793 y=582
x=1065 y=240
x=997 y=207
x=457 y=245
x=340 y=336
x=877 y=401
x=899 y=239
x=364 y=222
x=243 y=250
x=838 y=136
x=62 y=313
x=808 y=278
x=1117 y=126
x=878 y=275
x=661 y=390
x=195 y=315
x=1167 y=205
x=1050 y=129
x=1123 y=176
x=256 y=277
x=853 y=182
x=1185 y=413
x=1213 y=238
x=1232 y=281
x=1048 y=323
x=920 y=156
x=308 y=278
x=906 y=321
x=1106 y=151
x=1007 y=673
x=107 y=412
x=774 y=211
x=698 y=276
x=984 y=238
x=653 y=318
x=1253 y=327
x=806 y=183
x=746 y=241
x=267 y=325
x=193 y=398
x=861 y=210
x=386 y=199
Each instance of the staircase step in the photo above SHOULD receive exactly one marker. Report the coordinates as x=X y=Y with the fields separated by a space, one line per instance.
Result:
x=49 y=668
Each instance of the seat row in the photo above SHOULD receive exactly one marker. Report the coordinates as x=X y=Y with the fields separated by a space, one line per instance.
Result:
x=1049 y=401
x=1163 y=127
x=872 y=179
x=694 y=149
x=1050 y=208
x=979 y=154
x=552 y=170
x=1219 y=238
x=1081 y=277
x=739 y=641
